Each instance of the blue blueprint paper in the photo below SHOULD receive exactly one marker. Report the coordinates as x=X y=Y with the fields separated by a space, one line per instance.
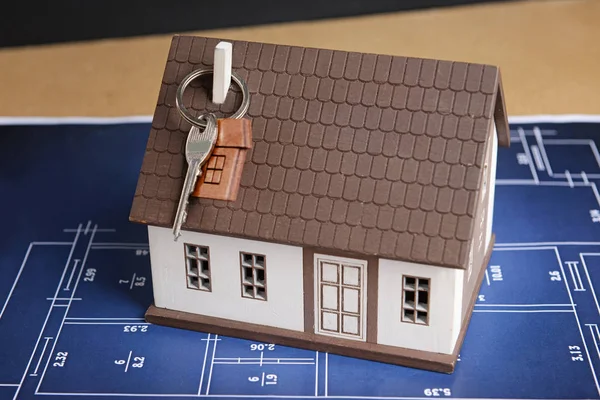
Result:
x=72 y=306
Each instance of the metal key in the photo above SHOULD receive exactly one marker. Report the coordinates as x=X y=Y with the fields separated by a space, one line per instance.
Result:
x=198 y=148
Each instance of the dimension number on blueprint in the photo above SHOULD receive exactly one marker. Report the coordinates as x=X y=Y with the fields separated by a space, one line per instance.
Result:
x=439 y=392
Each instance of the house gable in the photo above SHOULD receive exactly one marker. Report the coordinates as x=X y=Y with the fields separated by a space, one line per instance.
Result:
x=367 y=154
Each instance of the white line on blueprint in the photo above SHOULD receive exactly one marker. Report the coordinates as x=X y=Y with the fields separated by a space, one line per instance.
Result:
x=49 y=312
x=63 y=298
x=128 y=360
x=326 y=374
x=596 y=194
x=569 y=178
x=538 y=138
x=317 y=373
x=562 y=270
x=487 y=277
x=37 y=367
x=584 y=177
x=527 y=182
x=62 y=323
x=536 y=244
x=523 y=311
x=76 y=261
x=132 y=281
x=212 y=363
x=87 y=228
x=105 y=319
x=105 y=323
x=528 y=154
x=66 y=230
x=523 y=305
x=117 y=244
x=203 y=365
x=591 y=326
x=587 y=274
x=537 y=157
x=9 y=385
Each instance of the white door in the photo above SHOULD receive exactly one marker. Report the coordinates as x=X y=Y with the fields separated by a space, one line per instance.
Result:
x=340 y=297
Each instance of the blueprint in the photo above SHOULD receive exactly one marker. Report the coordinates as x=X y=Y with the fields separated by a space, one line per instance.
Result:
x=75 y=282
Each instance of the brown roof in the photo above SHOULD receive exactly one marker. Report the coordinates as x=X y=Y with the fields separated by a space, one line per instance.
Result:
x=364 y=153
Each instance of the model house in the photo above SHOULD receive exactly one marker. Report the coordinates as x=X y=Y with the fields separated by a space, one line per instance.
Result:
x=362 y=221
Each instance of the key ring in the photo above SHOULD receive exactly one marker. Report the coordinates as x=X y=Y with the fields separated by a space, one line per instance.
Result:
x=199 y=121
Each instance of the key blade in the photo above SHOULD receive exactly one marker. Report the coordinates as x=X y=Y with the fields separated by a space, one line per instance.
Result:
x=189 y=183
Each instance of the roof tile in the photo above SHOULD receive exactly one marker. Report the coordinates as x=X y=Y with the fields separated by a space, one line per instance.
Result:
x=353 y=61
x=334 y=162
x=489 y=82
x=351 y=188
x=266 y=57
x=369 y=95
x=326 y=235
x=354 y=213
x=294 y=60
x=378 y=167
x=328 y=113
x=345 y=139
x=457 y=176
x=340 y=89
x=404 y=243
x=309 y=61
x=342 y=117
x=397 y=70
x=400 y=97
x=444 y=200
x=421 y=149
x=403 y=118
x=369 y=215
x=384 y=95
x=446 y=102
x=372 y=119
x=309 y=208
x=365 y=193
x=367 y=68
x=311 y=86
x=280 y=58
x=297 y=230
x=323 y=63
x=342 y=237
x=282 y=227
x=338 y=64
x=348 y=163
x=338 y=212
x=324 y=208
x=357 y=239
x=394 y=169
x=428 y=198
x=321 y=185
x=336 y=186
x=387 y=244
x=415 y=98
x=401 y=217
x=382 y=68
x=382 y=192
x=296 y=86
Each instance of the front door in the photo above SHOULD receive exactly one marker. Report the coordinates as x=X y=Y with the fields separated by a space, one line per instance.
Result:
x=340 y=297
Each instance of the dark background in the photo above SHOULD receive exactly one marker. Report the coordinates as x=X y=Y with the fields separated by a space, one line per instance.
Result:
x=44 y=22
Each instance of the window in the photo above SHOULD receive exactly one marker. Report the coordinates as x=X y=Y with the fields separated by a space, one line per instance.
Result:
x=415 y=304
x=253 y=275
x=197 y=265
x=214 y=169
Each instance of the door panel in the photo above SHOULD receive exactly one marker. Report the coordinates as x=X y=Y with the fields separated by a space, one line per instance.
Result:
x=340 y=297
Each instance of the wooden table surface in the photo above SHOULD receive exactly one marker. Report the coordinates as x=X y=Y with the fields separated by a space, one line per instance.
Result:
x=548 y=52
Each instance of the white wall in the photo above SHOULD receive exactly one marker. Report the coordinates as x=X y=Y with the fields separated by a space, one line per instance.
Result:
x=492 y=185
x=446 y=288
x=284 y=307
